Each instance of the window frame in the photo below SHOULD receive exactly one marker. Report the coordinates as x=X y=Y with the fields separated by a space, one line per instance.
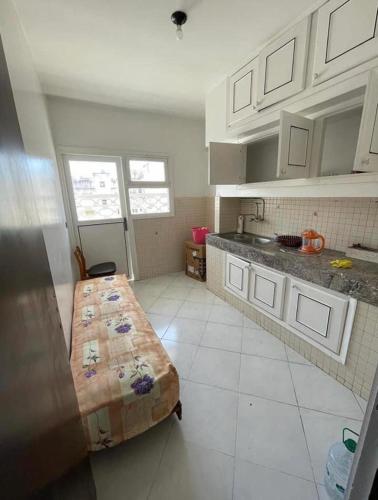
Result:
x=72 y=204
x=150 y=184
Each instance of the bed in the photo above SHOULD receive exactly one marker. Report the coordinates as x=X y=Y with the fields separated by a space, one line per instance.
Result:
x=124 y=379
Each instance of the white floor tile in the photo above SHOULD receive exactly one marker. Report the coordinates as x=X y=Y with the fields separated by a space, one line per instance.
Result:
x=159 y=323
x=322 y=430
x=249 y=323
x=153 y=288
x=267 y=378
x=362 y=402
x=127 y=470
x=222 y=336
x=294 y=357
x=190 y=472
x=216 y=367
x=271 y=434
x=261 y=343
x=318 y=391
x=146 y=300
x=323 y=495
x=185 y=330
x=181 y=354
x=168 y=307
x=260 y=483
x=186 y=281
x=194 y=310
x=226 y=314
x=209 y=417
x=220 y=302
x=201 y=295
x=176 y=292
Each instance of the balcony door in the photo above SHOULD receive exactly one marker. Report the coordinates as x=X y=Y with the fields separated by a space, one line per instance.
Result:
x=97 y=202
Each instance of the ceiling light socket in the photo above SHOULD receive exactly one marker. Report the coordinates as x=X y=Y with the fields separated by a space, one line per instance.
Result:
x=179 y=18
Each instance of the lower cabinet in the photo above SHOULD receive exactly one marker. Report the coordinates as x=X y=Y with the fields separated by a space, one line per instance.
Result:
x=237 y=275
x=321 y=316
x=267 y=289
x=317 y=313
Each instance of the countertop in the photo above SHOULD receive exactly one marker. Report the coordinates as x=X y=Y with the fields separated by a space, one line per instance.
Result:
x=360 y=282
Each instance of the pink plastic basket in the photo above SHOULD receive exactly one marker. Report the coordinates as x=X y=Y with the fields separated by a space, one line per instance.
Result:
x=199 y=234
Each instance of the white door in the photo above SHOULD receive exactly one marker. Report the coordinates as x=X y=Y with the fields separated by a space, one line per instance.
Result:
x=237 y=275
x=98 y=208
x=267 y=289
x=318 y=313
x=367 y=148
x=227 y=163
x=346 y=36
x=242 y=93
x=294 y=146
x=282 y=65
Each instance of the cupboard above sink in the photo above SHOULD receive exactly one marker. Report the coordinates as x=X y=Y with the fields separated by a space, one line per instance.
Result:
x=304 y=107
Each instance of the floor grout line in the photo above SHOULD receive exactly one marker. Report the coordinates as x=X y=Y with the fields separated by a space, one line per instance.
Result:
x=304 y=432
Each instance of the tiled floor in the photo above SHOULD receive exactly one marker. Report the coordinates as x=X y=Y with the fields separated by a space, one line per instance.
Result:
x=258 y=419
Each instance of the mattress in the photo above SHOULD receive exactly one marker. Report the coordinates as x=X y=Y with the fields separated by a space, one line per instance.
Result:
x=124 y=380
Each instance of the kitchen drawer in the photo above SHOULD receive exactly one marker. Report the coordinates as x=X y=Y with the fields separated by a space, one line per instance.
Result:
x=318 y=313
x=267 y=289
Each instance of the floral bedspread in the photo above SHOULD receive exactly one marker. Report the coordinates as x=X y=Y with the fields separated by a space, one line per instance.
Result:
x=124 y=379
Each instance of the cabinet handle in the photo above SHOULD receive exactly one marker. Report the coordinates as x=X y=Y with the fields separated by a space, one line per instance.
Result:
x=258 y=103
x=296 y=287
x=283 y=171
x=365 y=162
x=316 y=76
x=253 y=106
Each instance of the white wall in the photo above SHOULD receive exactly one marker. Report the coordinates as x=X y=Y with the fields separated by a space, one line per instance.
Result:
x=34 y=125
x=90 y=125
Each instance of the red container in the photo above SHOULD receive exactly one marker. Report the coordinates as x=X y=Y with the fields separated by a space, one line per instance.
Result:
x=199 y=234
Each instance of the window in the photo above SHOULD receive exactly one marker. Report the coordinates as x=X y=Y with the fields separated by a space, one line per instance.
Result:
x=95 y=189
x=149 y=189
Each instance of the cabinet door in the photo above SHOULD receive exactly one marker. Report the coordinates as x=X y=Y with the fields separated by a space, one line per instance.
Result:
x=242 y=93
x=227 y=163
x=294 y=146
x=346 y=36
x=367 y=148
x=318 y=313
x=267 y=289
x=237 y=275
x=282 y=66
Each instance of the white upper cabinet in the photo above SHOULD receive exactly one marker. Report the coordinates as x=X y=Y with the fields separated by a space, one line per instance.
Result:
x=367 y=148
x=242 y=93
x=227 y=163
x=282 y=65
x=294 y=147
x=346 y=36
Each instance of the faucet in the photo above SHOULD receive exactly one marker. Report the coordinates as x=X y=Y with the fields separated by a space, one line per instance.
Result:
x=257 y=217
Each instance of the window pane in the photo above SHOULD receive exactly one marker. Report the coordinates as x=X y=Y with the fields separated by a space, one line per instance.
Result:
x=149 y=200
x=147 y=171
x=95 y=188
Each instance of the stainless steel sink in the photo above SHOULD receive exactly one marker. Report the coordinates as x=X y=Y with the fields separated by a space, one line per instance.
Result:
x=251 y=239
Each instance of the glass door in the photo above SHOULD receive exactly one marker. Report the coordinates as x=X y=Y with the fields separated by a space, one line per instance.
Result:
x=98 y=207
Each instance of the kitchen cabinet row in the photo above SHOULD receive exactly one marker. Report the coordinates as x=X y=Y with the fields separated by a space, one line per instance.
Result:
x=279 y=70
x=322 y=317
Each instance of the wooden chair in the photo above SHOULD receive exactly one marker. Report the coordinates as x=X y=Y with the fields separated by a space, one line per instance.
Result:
x=96 y=271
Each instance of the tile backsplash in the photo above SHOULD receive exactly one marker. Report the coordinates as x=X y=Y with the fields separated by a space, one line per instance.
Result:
x=342 y=221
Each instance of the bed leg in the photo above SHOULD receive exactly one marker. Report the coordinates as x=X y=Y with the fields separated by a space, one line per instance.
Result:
x=178 y=410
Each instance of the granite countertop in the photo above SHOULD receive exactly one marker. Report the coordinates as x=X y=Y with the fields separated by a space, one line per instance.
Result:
x=360 y=282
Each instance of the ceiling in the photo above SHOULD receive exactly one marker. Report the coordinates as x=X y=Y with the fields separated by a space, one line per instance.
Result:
x=124 y=52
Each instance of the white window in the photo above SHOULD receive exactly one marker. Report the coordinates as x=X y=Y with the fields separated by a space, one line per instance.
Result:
x=95 y=188
x=149 y=187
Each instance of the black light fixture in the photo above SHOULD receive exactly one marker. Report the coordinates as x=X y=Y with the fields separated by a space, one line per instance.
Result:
x=179 y=18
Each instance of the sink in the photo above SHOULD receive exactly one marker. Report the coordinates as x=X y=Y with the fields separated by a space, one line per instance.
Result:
x=251 y=239
x=260 y=240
